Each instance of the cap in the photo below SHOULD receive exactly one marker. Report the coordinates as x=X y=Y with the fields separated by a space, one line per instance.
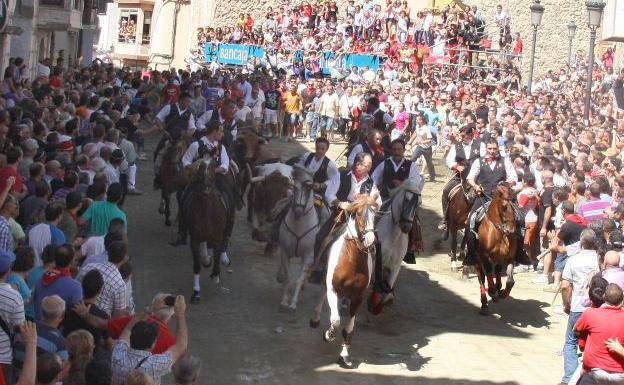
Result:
x=6 y=260
x=66 y=146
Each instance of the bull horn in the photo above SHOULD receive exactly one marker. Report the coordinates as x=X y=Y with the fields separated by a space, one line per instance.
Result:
x=257 y=179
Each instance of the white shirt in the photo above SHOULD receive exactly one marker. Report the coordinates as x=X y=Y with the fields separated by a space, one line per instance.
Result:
x=92 y=246
x=334 y=184
x=414 y=173
x=512 y=176
x=164 y=112
x=256 y=104
x=191 y=154
x=423 y=133
x=577 y=271
x=112 y=174
x=12 y=312
x=450 y=157
x=314 y=165
x=242 y=113
x=345 y=106
x=205 y=118
x=356 y=150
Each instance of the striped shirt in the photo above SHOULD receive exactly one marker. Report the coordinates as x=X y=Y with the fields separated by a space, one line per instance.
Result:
x=113 y=296
x=593 y=209
x=125 y=359
x=12 y=313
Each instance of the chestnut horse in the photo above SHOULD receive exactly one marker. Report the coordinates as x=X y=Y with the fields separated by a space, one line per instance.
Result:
x=456 y=219
x=497 y=245
x=349 y=271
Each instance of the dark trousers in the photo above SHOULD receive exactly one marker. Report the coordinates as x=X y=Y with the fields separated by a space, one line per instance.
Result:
x=446 y=192
x=343 y=124
x=471 y=239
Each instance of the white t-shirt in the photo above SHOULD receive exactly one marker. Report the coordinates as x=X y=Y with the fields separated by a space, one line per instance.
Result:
x=424 y=133
x=577 y=271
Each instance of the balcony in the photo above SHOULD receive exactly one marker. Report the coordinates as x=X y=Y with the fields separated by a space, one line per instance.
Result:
x=58 y=15
x=131 y=51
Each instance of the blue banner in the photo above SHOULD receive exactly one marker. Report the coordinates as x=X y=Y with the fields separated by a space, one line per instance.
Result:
x=324 y=61
x=297 y=56
x=359 y=61
x=235 y=54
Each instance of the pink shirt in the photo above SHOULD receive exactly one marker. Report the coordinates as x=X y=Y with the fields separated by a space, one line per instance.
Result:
x=400 y=121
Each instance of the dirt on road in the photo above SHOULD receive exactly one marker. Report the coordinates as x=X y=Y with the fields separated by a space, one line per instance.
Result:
x=432 y=334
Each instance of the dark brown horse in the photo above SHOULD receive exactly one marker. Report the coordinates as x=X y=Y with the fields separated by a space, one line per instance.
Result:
x=349 y=272
x=172 y=176
x=457 y=216
x=205 y=215
x=497 y=246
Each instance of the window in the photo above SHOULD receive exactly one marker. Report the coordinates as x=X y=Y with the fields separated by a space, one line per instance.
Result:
x=127 y=26
x=147 y=26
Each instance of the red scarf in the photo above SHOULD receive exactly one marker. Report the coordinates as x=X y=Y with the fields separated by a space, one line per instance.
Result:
x=358 y=177
x=576 y=219
x=53 y=274
x=377 y=149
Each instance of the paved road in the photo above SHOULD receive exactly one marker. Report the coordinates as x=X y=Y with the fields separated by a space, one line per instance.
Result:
x=433 y=333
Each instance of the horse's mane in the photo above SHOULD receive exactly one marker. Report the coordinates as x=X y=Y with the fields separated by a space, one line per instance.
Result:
x=409 y=185
x=361 y=201
x=300 y=174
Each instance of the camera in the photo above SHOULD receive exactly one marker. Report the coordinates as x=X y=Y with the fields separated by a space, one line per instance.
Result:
x=170 y=300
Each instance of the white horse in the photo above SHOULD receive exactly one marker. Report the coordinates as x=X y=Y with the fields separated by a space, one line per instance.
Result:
x=297 y=234
x=394 y=228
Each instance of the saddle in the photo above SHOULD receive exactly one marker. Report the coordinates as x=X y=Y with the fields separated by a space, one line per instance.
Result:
x=477 y=217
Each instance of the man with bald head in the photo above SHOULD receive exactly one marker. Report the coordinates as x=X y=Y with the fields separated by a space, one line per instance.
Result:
x=611 y=268
x=594 y=208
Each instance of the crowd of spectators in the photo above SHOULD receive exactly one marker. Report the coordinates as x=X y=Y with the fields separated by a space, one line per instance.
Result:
x=71 y=141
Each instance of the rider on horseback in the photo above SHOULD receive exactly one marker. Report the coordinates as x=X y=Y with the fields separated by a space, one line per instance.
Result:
x=392 y=173
x=208 y=145
x=460 y=159
x=225 y=116
x=178 y=121
x=484 y=175
x=341 y=190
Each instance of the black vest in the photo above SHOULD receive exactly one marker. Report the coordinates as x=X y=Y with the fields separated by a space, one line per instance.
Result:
x=228 y=138
x=345 y=186
x=389 y=174
x=215 y=152
x=320 y=176
x=377 y=159
x=489 y=178
x=466 y=159
x=175 y=122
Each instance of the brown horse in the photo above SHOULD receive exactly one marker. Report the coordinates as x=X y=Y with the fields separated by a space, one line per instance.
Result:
x=457 y=217
x=172 y=176
x=497 y=246
x=349 y=272
x=205 y=214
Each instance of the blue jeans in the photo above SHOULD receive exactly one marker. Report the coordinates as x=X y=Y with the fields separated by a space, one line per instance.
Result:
x=570 y=356
x=313 y=119
x=326 y=124
x=428 y=154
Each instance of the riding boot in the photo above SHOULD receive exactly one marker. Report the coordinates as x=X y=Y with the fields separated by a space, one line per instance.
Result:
x=410 y=258
x=471 y=246
x=380 y=283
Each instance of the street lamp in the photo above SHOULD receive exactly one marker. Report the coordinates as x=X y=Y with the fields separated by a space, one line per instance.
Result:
x=571 y=33
x=594 y=15
x=537 y=10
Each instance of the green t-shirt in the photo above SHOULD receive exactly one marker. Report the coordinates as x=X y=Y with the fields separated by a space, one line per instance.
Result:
x=99 y=215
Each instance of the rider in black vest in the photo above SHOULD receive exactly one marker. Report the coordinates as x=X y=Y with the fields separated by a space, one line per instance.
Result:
x=175 y=123
x=341 y=190
x=485 y=174
x=460 y=159
x=225 y=116
x=371 y=146
x=392 y=173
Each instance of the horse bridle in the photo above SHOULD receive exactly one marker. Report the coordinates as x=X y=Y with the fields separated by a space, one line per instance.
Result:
x=402 y=218
x=369 y=227
x=307 y=190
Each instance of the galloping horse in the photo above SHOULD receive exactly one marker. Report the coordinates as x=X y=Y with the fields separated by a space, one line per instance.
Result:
x=349 y=272
x=457 y=217
x=297 y=233
x=394 y=229
x=172 y=176
x=497 y=245
x=205 y=215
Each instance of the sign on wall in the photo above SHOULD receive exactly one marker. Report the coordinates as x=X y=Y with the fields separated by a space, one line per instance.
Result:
x=234 y=54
